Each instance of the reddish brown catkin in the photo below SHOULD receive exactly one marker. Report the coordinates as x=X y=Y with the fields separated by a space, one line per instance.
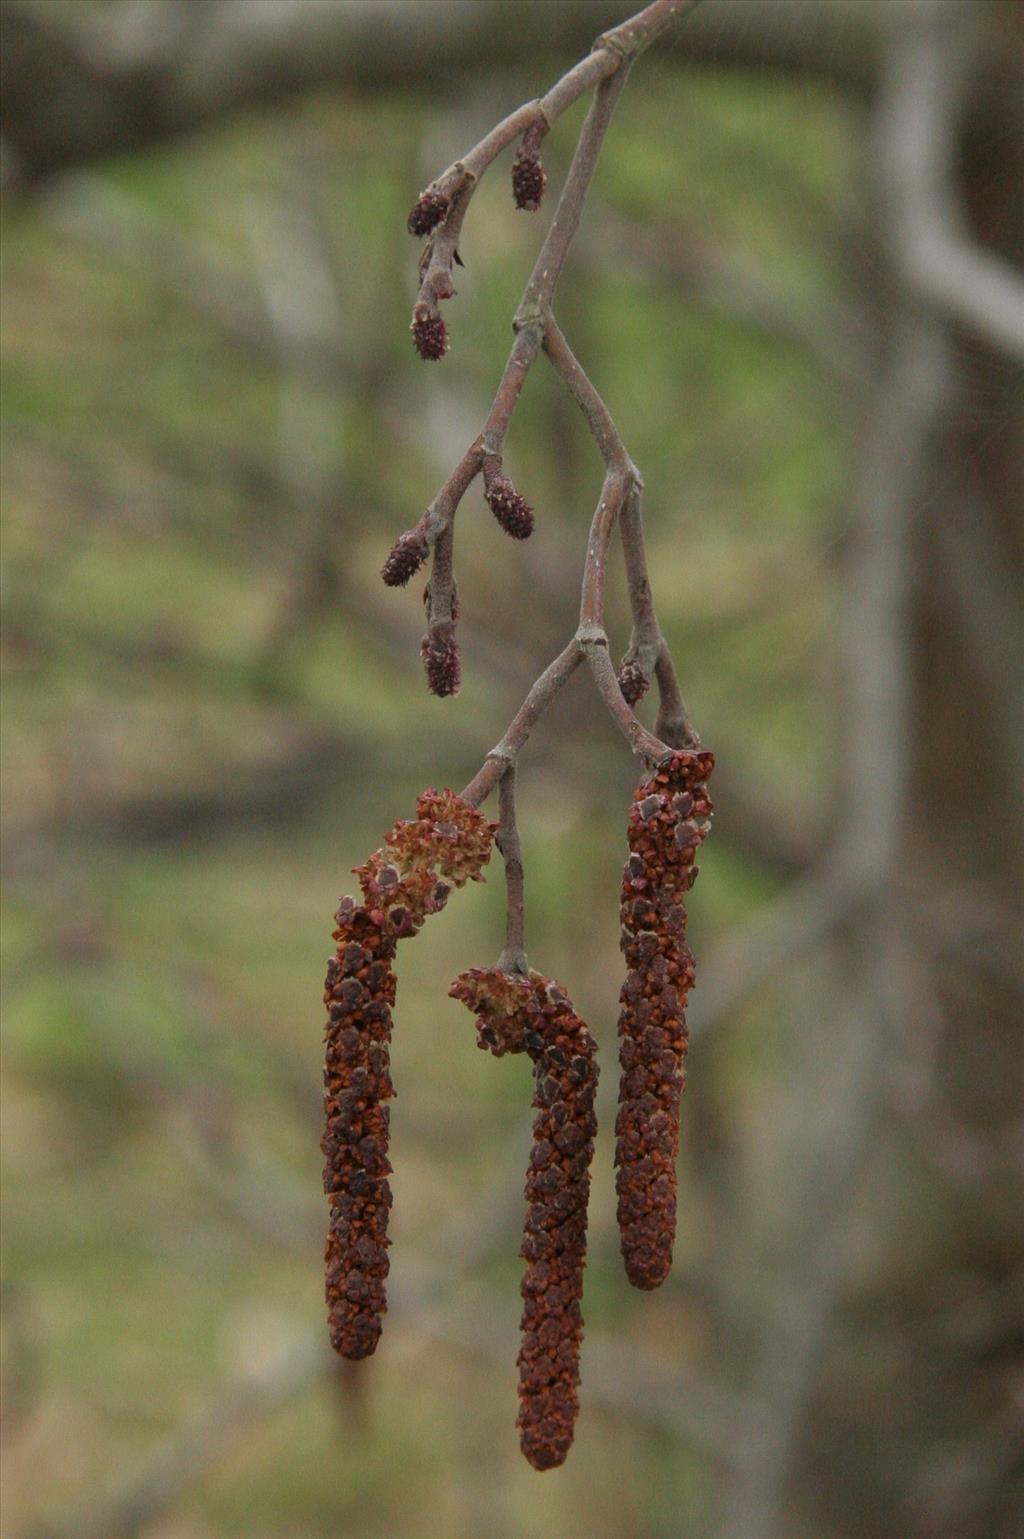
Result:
x=667 y=822
x=427 y=212
x=509 y=506
x=446 y=845
x=528 y=175
x=534 y=1016
x=359 y=993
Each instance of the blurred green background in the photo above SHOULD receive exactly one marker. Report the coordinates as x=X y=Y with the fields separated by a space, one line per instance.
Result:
x=214 y=425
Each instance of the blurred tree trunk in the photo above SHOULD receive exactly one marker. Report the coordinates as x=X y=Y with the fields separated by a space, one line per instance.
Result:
x=916 y=1425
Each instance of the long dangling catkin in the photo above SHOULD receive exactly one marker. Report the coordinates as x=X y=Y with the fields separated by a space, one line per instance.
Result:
x=533 y=1015
x=359 y=993
x=447 y=844
x=667 y=822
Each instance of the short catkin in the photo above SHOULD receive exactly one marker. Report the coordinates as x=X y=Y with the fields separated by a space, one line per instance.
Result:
x=429 y=334
x=508 y=505
x=533 y=1015
x=667 y=822
x=528 y=180
x=427 y=212
x=441 y=662
x=447 y=844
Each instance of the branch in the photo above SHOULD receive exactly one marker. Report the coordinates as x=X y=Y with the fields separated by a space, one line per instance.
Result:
x=441 y=210
x=648 y=651
x=928 y=225
x=540 y=696
x=528 y=321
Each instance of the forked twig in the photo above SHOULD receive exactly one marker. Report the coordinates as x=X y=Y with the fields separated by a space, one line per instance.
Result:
x=440 y=215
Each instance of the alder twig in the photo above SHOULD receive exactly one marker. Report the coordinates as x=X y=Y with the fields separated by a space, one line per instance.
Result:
x=457 y=184
x=540 y=696
x=513 y=957
x=648 y=650
x=441 y=213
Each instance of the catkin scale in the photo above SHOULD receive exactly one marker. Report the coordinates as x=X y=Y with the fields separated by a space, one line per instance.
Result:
x=667 y=823
x=447 y=844
x=533 y=1015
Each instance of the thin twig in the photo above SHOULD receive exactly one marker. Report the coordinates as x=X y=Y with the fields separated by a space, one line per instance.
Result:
x=540 y=696
x=606 y=68
x=611 y=52
x=513 y=957
x=648 y=648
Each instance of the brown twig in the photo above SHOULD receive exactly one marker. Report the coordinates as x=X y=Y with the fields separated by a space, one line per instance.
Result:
x=648 y=649
x=606 y=69
x=539 y=697
x=610 y=56
x=513 y=956
x=530 y=316
x=441 y=211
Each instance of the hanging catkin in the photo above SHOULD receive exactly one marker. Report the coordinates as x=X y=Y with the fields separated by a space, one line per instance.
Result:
x=359 y=993
x=533 y=1015
x=447 y=844
x=667 y=822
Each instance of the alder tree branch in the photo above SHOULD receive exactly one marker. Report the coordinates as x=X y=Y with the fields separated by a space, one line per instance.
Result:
x=441 y=214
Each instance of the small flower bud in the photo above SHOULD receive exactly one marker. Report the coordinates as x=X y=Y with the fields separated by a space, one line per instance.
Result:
x=632 y=682
x=427 y=212
x=509 y=507
x=430 y=335
x=440 y=653
x=407 y=555
x=528 y=180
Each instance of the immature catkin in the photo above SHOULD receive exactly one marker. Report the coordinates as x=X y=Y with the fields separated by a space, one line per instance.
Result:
x=405 y=558
x=359 y=993
x=533 y=1015
x=509 y=507
x=427 y=212
x=442 y=664
x=633 y=682
x=447 y=844
x=429 y=333
x=528 y=179
x=667 y=822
